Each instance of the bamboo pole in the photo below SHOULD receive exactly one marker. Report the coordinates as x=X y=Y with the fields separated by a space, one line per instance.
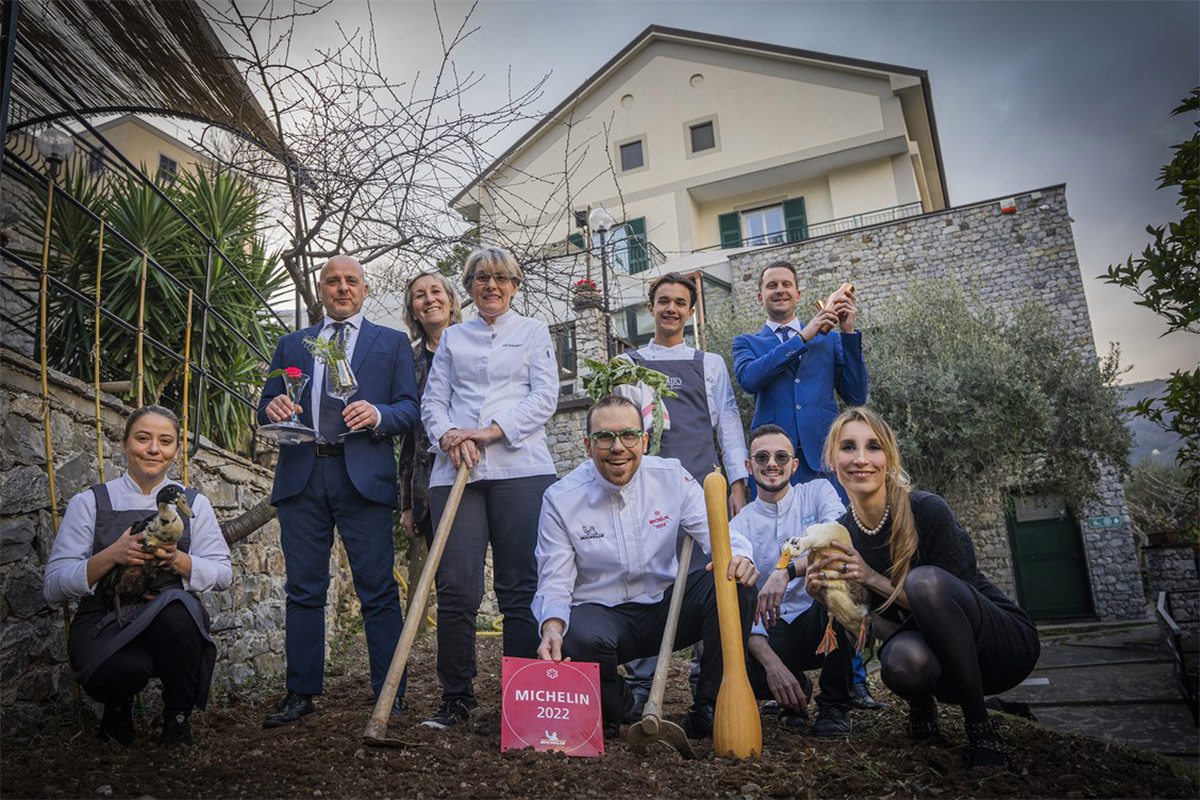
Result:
x=42 y=303
x=141 y=333
x=187 y=371
x=96 y=357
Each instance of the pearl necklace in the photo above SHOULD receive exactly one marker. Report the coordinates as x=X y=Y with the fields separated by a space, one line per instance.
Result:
x=871 y=531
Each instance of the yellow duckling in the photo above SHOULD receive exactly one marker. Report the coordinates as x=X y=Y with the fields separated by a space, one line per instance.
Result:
x=846 y=600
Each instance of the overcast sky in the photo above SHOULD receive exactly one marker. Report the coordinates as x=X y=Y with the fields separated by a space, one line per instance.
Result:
x=1026 y=94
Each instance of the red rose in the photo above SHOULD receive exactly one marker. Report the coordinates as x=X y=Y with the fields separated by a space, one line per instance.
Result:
x=293 y=372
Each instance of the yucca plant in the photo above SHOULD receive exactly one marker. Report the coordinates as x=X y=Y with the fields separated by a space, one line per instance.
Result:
x=226 y=209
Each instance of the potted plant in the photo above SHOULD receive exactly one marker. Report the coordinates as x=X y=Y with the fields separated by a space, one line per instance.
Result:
x=585 y=294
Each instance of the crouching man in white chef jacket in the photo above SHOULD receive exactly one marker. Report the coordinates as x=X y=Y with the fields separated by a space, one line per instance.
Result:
x=608 y=539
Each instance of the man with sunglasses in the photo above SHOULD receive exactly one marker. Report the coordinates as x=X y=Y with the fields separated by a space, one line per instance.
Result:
x=788 y=625
x=607 y=548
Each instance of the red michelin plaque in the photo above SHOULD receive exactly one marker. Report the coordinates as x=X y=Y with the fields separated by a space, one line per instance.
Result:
x=549 y=706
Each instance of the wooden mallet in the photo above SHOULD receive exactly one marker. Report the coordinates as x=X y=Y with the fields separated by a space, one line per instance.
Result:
x=737 y=729
x=376 y=732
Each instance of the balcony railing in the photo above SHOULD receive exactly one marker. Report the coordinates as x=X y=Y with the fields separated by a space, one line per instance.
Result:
x=843 y=224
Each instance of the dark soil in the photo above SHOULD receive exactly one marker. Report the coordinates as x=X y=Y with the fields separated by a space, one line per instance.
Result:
x=325 y=757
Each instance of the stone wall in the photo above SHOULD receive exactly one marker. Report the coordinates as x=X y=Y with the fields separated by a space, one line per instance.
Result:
x=1004 y=259
x=248 y=618
x=1172 y=568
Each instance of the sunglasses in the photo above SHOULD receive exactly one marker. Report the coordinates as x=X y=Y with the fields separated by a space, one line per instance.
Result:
x=782 y=458
x=606 y=439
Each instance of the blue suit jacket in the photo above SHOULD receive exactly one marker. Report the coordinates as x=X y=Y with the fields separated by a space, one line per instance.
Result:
x=793 y=383
x=383 y=364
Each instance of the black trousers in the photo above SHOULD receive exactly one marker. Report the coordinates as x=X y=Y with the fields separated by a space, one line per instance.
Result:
x=505 y=513
x=617 y=634
x=796 y=644
x=169 y=649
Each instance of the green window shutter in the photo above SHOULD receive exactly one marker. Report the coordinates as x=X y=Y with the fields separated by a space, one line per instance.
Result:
x=795 y=219
x=731 y=229
x=639 y=254
x=577 y=240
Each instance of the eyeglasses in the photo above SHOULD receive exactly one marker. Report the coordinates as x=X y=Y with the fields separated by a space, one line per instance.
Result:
x=782 y=458
x=481 y=279
x=606 y=439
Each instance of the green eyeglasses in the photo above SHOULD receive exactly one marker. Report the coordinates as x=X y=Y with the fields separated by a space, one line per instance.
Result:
x=606 y=439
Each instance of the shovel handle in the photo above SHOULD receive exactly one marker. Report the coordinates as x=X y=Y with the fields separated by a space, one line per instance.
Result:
x=659 y=685
x=377 y=726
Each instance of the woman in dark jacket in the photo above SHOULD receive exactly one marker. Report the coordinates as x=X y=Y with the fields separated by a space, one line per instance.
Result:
x=948 y=633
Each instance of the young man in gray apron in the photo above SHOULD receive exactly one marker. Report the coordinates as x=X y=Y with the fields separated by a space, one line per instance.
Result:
x=704 y=404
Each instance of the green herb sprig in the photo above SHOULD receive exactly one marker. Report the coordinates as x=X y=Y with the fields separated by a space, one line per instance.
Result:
x=605 y=377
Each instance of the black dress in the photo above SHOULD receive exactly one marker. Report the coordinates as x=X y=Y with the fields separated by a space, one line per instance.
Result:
x=1007 y=643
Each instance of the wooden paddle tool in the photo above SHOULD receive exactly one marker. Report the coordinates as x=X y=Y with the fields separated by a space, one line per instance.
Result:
x=737 y=729
x=376 y=732
x=652 y=727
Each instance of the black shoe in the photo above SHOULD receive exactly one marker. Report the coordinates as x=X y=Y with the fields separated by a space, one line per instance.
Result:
x=832 y=721
x=117 y=723
x=612 y=730
x=452 y=712
x=862 y=699
x=698 y=722
x=796 y=720
x=923 y=720
x=177 y=729
x=986 y=748
x=293 y=708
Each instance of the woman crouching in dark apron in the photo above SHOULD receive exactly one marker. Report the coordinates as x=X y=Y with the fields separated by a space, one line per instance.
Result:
x=166 y=636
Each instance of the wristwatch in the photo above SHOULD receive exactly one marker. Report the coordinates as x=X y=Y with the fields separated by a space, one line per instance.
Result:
x=791 y=570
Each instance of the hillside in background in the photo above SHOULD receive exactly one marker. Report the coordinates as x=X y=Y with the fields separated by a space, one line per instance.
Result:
x=1149 y=440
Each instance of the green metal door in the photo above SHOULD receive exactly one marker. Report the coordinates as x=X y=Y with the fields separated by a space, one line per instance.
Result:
x=1050 y=568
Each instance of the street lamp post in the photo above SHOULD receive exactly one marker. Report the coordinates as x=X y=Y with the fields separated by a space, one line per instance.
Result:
x=602 y=222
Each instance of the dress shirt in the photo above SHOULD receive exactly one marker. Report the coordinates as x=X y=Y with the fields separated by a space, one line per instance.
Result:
x=66 y=569
x=353 y=325
x=794 y=324
x=505 y=374
x=769 y=525
x=607 y=544
x=722 y=406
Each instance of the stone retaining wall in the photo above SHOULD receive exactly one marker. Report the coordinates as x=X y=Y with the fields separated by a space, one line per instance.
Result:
x=248 y=618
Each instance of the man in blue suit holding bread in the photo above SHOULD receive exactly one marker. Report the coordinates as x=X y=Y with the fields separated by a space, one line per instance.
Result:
x=793 y=370
x=347 y=479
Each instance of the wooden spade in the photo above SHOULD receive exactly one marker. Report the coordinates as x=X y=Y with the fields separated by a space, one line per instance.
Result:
x=737 y=729
x=376 y=732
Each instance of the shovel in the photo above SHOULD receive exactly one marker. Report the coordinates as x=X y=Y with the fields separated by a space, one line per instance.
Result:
x=376 y=732
x=652 y=727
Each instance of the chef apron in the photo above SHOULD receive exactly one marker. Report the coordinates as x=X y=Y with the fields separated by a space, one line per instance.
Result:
x=96 y=634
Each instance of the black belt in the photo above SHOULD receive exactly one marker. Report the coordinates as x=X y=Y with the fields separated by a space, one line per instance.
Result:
x=325 y=449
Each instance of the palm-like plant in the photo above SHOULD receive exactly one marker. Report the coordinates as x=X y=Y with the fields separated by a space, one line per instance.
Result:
x=226 y=209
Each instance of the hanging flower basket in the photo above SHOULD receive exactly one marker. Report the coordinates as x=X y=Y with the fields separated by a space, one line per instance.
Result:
x=585 y=294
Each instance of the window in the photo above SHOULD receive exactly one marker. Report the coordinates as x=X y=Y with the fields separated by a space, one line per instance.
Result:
x=632 y=156
x=96 y=161
x=628 y=252
x=168 y=168
x=764 y=226
x=704 y=137
x=564 y=349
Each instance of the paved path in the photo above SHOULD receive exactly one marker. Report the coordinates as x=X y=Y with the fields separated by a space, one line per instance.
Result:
x=1114 y=685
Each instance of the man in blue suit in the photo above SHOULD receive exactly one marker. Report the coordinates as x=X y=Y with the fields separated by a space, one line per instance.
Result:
x=793 y=371
x=347 y=479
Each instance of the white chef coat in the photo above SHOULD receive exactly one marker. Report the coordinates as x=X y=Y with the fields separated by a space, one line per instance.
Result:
x=66 y=569
x=504 y=373
x=607 y=544
x=769 y=525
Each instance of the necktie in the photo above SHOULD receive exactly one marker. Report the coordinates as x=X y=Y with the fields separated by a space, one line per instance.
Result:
x=332 y=424
x=784 y=332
